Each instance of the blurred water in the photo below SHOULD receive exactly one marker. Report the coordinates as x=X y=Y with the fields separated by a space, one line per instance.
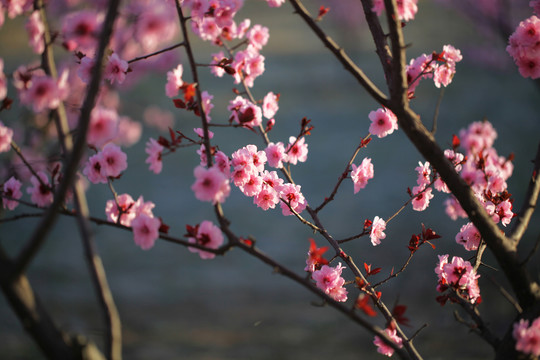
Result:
x=174 y=305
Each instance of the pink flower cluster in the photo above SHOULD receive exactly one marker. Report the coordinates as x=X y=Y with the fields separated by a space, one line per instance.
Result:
x=135 y=214
x=469 y=237
x=39 y=91
x=527 y=337
x=209 y=236
x=385 y=349
x=460 y=276
x=406 y=9
x=110 y=162
x=441 y=67
x=329 y=280
x=524 y=47
x=266 y=188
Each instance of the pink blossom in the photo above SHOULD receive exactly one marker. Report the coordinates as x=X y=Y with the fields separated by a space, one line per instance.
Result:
x=361 y=174
x=469 y=237
x=154 y=151
x=85 y=69
x=272 y=179
x=420 y=200
x=94 y=169
x=207 y=104
x=158 y=118
x=35 y=29
x=419 y=68
x=40 y=192
x=114 y=160
x=253 y=186
x=527 y=337
x=329 y=280
x=222 y=163
x=124 y=212
x=43 y=92
x=460 y=276
x=145 y=231
x=524 y=45
x=6 y=134
x=3 y=81
x=291 y=194
x=103 y=126
x=129 y=131
x=16 y=7
x=12 y=189
x=270 y=105
x=200 y=133
x=210 y=185
x=216 y=58
x=244 y=112
x=80 y=30
x=377 y=231
x=296 y=150
x=424 y=172
x=174 y=81
x=258 y=36
x=383 y=122
x=207 y=29
x=406 y=9
x=155 y=25
x=275 y=3
x=275 y=153
x=116 y=69
x=209 y=236
x=385 y=349
x=267 y=198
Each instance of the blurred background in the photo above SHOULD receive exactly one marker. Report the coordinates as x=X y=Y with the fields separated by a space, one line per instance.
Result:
x=174 y=305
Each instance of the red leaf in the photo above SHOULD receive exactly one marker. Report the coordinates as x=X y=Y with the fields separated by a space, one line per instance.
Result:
x=322 y=11
x=163 y=228
x=247 y=116
x=179 y=103
x=398 y=312
x=362 y=303
x=455 y=141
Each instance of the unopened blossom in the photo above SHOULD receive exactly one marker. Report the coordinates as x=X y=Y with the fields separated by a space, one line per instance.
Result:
x=469 y=237
x=12 y=190
x=383 y=122
x=209 y=236
x=377 y=231
x=210 y=184
x=40 y=191
x=527 y=337
x=361 y=174
x=154 y=151
x=116 y=69
x=384 y=348
x=329 y=280
x=145 y=231
x=6 y=134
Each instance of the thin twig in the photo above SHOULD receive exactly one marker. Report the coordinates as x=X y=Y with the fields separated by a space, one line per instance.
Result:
x=143 y=57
